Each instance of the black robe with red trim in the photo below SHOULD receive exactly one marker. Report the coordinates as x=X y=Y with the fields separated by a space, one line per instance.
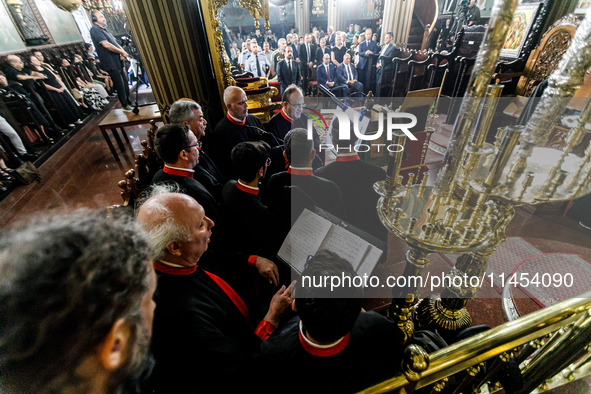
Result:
x=287 y=195
x=248 y=231
x=279 y=125
x=201 y=341
x=356 y=179
x=248 y=219
x=226 y=135
x=372 y=354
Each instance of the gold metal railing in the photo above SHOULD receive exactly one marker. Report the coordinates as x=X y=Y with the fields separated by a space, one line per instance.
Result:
x=553 y=341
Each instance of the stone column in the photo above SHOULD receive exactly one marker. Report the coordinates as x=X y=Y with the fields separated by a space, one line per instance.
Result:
x=174 y=47
x=397 y=19
x=302 y=16
x=336 y=15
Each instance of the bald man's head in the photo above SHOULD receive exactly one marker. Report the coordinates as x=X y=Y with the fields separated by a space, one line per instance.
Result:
x=15 y=61
x=235 y=100
x=178 y=230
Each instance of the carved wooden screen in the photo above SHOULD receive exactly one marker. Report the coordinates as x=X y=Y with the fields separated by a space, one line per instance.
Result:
x=546 y=56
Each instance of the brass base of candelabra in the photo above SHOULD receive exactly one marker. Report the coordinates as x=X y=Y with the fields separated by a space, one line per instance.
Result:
x=440 y=314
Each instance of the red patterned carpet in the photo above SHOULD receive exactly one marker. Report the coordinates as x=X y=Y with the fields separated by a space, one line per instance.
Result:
x=546 y=278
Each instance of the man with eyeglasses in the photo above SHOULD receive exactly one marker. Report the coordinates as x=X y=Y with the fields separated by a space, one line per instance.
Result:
x=290 y=115
x=178 y=148
x=238 y=126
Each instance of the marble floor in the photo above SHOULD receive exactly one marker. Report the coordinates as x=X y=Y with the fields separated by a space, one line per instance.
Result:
x=80 y=174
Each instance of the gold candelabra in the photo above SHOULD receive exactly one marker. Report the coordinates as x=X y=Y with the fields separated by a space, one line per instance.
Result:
x=473 y=199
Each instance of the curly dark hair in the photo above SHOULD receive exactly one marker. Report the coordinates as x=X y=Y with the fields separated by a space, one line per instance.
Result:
x=249 y=157
x=170 y=140
x=64 y=282
x=327 y=314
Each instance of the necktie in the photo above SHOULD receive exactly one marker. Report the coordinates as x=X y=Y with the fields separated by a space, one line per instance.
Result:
x=328 y=73
x=350 y=75
x=289 y=68
x=259 y=67
x=308 y=49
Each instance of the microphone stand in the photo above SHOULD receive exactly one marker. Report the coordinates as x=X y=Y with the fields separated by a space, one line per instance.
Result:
x=136 y=108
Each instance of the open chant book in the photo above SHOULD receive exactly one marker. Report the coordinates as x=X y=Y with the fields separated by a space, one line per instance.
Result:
x=312 y=232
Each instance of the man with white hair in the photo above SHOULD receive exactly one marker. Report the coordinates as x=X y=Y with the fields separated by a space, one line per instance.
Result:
x=279 y=54
x=189 y=112
x=236 y=127
x=203 y=340
x=331 y=36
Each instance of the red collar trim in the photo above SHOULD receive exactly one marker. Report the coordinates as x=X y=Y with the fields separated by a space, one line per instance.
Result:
x=325 y=351
x=231 y=293
x=235 y=122
x=166 y=269
x=178 y=172
x=285 y=116
x=246 y=189
x=296 y=171
x=348 y=158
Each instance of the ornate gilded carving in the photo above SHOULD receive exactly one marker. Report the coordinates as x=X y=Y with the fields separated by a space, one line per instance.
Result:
x=415 y=360
x=548 y=60
x=67 y=5
x=256 y=8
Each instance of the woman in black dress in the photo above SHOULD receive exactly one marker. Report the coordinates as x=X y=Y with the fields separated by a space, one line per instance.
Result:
x=338 y=51
x=57 y=90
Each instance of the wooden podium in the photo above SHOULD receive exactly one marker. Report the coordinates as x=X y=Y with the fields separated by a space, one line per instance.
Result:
x=417 y=102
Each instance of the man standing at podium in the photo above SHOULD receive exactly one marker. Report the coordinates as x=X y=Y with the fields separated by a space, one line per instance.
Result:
x=366 y=49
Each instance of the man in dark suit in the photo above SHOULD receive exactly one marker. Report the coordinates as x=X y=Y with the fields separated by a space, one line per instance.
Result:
x=288 y=71
x=366 y=48
x=347 y=75
x=385 y=66
x=331 y=36
x=307 y=53
x=294 y=44
x=321 y=51
x=327 y=77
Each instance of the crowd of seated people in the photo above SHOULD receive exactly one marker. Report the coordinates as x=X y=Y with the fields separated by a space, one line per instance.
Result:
x=298 y=58
x=41 y=101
